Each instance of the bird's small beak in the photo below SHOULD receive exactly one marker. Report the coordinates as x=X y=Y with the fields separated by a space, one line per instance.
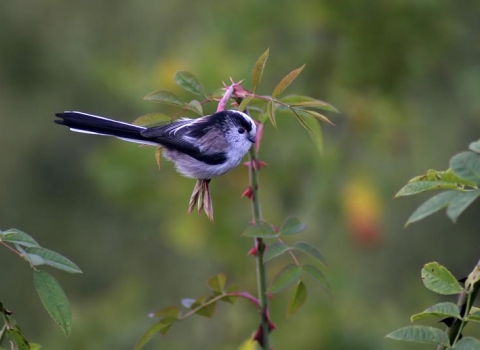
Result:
x=251 y=138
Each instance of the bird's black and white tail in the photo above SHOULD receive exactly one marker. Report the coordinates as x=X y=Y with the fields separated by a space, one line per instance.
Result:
x=92 y=124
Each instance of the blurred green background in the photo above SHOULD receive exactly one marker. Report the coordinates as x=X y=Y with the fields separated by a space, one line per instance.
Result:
x=405 y=74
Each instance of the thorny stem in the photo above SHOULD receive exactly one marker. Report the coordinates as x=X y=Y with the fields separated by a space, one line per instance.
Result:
x=464 y=304
x=260 y=245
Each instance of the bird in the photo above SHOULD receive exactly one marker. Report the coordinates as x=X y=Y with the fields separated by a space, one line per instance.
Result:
x=201 y=148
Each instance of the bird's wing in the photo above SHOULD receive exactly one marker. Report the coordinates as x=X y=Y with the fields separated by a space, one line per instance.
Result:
x=183 y=136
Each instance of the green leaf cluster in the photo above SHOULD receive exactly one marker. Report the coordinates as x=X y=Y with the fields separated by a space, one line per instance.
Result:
x=460 y=184
x=262 y=107
x=440 y=280
x=204 y=306
x=291 y=274
x=49 y=290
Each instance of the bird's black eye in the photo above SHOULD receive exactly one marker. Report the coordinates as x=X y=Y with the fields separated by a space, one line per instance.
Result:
x=241 y=130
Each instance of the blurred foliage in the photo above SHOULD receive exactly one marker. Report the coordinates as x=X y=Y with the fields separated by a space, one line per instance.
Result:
x=405 y=75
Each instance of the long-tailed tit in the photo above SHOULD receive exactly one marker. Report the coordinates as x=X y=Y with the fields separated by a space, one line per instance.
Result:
x=201 y=148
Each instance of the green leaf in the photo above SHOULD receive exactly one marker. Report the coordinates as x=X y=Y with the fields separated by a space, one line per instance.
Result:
x=274 y=250
x=467 y=166
x=431 y=206
x=53 y=259
x=423 y=186
x=444 y=177
x=441 y=309
x=151 y=119
x=285 y=278
x=18 y=237
x=164 y=96
x=309 y=249
x=313 y=128
x=195 y=107
x=261 y=229
x=189 y=82
x=318 y=116
x=161 y=327
x=287 y=80
x=292 y=226
x=169 y=311
x=15 y=335
x=439 y=280
x=271 y=113
x=420 y=334
x=467 y=343
x=297 y=299
x=258 y=68
x=460 y=202
x=245 y=103
x=475 y=316
x=205 y=309
x=54 y=299
x=217 y=283
x=317 y=276
x=34 y=346
x=305 y=101
x=472 y=279
x=475 y=146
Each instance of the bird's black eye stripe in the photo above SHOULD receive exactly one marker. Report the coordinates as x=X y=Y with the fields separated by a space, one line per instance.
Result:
x=241 y=130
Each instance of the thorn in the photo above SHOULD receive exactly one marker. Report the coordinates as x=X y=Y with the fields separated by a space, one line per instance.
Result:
x=248 y=193
x=260 y=163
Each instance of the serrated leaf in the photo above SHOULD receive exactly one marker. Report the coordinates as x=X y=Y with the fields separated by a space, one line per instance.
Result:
x=285 y=278
x=431 y=206
x=217 y=283
x=16 y=337
x=54 y=259
x=467 y=166
x=467 y=343
x=441 y=309
x=306 y=101
x=292 y=226
x=444 y=176
x=258 y=68
x=164 y=96
x=151 y=119
x=169 y=311
x=420 y=334
x=189 y=82
x=287 y=80
x=274 y=250
x=158 y=157
x=475 y=146
x=460 y=202
x=439 y=280
x=161 y=327
x=195 y=107
x=317 y=276
x=18 y=237
x=297 y=299
x=271 y=113
x=260 y=229
x=53 y=299
x=423 y=186
x=309 y=249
